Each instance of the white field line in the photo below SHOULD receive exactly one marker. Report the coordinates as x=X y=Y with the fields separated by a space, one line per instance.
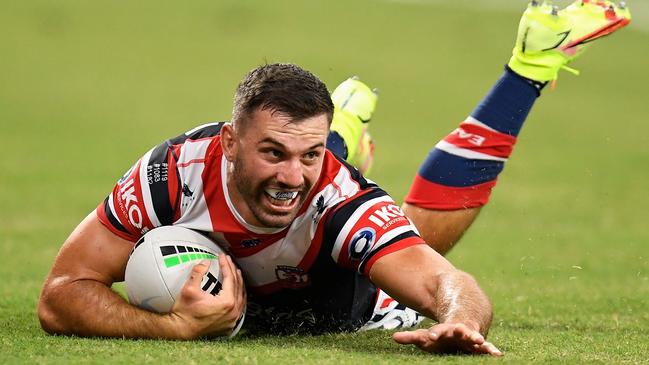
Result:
x=639 y=8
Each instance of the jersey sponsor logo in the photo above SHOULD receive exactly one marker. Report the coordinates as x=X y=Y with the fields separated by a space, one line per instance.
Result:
x=361 y=243
x=292 y=277
x=130 y=202
x=387 y=215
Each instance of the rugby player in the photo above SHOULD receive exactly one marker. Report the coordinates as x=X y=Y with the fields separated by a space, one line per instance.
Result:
x=312 y=237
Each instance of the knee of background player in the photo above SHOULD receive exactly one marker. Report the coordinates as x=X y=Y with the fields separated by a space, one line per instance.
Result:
x=441 y=229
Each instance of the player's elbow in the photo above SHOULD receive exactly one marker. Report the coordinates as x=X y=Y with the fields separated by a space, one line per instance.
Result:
x=48 y=319
x=49 y=313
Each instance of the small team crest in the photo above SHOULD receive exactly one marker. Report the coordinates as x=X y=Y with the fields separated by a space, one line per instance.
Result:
x=292 y=277
x=320 y=207
x=361 y=243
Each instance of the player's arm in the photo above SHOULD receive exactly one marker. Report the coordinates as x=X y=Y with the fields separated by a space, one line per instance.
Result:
x=422 y=279
x=77 y=297
x=370 y=234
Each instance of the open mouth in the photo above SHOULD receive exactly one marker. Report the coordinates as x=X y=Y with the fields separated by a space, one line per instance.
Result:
x=281 y=198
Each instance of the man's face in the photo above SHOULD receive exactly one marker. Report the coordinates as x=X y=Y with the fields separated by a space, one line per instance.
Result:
x=275 y=164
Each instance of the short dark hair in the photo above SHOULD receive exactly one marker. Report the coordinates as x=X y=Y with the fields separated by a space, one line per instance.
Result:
x=284 y=88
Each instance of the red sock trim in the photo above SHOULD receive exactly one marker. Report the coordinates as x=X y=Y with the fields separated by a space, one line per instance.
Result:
x=479 y=139
x=426 y=194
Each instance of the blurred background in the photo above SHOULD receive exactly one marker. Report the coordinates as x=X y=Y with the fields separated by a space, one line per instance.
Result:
x=87 y=87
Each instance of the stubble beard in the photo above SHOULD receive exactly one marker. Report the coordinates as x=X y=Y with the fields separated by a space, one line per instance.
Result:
x=252 y=196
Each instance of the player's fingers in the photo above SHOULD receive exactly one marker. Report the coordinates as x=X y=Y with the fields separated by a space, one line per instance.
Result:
x=240 y=289
x=243 y=292
x=232 y=290
x=192 y=288
x=237 y=282
x=197 y=273
x=239 y=297
x=227 y=275
x=464 y=333
x=421 y=338
x=238 y=279
x=487 y=348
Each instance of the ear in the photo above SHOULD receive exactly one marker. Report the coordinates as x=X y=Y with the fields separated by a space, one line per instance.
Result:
x=229 y=141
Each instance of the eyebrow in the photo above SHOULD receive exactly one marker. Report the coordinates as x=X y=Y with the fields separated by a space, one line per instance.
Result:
x=277 y=143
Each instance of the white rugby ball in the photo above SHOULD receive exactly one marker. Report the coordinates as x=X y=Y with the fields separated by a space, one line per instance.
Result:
x=161 y=263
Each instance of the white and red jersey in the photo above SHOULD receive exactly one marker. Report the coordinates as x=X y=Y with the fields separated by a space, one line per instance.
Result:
x=346 y=220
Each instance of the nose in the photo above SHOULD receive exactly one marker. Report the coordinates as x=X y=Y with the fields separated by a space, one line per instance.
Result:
x=290 y=174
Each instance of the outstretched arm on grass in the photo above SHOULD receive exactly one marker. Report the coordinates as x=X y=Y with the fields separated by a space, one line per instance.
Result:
x=423 y=280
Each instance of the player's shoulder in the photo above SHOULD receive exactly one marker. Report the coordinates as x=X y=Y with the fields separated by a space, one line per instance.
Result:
x=354 y=192
x=200 y=143
x=203 y=131
x=336 y=170
x=363 y=224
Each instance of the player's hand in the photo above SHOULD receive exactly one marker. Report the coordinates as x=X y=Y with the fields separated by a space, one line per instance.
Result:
x=198 y=313
x=448 y=338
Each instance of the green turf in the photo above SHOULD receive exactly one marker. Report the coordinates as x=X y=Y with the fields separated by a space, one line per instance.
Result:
x=87 y=87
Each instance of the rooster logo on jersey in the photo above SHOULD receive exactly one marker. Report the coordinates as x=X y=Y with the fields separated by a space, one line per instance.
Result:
x=319 y=208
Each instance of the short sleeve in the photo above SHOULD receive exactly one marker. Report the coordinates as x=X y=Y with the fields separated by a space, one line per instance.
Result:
x=144 y=196
x=367 y=227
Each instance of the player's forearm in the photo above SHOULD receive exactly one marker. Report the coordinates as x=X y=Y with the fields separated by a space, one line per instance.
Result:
x=422 y=279
x=90 y=308
x=459 y=299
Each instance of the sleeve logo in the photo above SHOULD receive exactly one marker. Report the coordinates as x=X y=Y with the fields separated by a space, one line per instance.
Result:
x=361 y=243
x=387 y=216
x=131 y=203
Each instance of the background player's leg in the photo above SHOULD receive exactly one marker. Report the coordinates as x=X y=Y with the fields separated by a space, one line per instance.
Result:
x=354 y=104
x=456 y=178
x=442 y=229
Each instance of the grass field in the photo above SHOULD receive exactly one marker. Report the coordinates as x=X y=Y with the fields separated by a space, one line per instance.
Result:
x=562 y=249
